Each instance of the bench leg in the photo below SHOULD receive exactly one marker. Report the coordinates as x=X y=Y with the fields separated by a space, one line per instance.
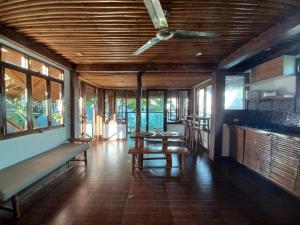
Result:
x=181 y=162
x=168 y=160
x=140 y=161
x=133 y=164
x=85 y=157
x=16 y=206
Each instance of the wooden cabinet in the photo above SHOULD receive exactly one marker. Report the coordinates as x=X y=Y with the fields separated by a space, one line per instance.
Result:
x=250 y=158
x=257 y=154
x=263 y=146
x=274 y=156
x=285 y=162
x=237 y=142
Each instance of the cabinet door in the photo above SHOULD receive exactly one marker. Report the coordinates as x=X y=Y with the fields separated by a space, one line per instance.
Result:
x=285 y=162
x=263 y=145
x=237 y=143
x=250 y=159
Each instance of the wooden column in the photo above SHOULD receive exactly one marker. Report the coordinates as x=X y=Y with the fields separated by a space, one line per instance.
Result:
x=138 y=102
x=218 y=114
x=297 y=101
x=75 y=95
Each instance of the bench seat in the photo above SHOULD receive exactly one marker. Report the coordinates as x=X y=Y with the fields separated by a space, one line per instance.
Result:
x=21 y=175
x=18 y=177
x=158 y=150
x=138 y=156
x=176 y=141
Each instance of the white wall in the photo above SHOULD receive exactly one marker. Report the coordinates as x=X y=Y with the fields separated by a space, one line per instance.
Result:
x=20 y=148
x=176 y=128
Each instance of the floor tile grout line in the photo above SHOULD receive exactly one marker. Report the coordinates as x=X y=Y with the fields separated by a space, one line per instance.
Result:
x=169 y=202
x=129 y=191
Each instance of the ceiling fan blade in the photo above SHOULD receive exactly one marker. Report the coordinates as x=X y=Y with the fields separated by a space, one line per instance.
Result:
x=149 y=44
x=156 y=13
x=186 y=34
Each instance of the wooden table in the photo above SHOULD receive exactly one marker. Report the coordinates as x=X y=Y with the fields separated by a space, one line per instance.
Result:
x=139 y=150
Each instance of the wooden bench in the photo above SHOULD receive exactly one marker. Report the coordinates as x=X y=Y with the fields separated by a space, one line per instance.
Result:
x=138 y=157
x=171 y=142
x=16 y=178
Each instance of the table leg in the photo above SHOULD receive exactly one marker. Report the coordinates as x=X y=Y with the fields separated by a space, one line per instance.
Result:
x=140 y=161
x=168 y=156
x=133 y=163
x=181 y=162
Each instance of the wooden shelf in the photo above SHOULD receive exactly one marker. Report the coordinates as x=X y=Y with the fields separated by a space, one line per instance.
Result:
x=273 y=98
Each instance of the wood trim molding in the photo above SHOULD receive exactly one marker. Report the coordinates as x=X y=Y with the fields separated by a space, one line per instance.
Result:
x=121 y=68
x=267 y=39
x=25 y=42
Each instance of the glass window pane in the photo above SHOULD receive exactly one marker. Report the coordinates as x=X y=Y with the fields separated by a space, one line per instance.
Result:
x=38 y=66
x=120 y=105
x=56 y=103
x=56 y=73
x=109 y=104
x=156 y=101
x=156 y=110
x=234 y=92
x=172 y=106
x=201 y=102
x=15 y=101
x=183 y=105
x=89 y=110
x=208 y=101
x=39 y=102
x=14 y=57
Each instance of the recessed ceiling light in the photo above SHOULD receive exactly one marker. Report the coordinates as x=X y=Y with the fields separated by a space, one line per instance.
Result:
x=199 y=54
x=79 y=54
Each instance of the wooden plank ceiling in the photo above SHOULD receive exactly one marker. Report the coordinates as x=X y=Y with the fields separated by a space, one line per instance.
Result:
x=102 y=31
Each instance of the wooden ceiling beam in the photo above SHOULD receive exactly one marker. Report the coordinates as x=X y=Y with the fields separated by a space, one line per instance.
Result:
x=266 y=40
x=24 y=41
x=121 y=68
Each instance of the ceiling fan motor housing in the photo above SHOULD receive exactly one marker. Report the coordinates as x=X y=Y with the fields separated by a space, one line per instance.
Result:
x=164 y=35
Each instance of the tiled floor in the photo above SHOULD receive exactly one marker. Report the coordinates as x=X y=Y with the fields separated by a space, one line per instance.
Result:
x=106 y=193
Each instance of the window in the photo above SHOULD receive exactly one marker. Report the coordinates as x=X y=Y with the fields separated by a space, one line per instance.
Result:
x=109 y=104
x=121 y=105
x=38 y=66
x=201 y=102
x=15 y=101
x=39 y=102
x=172 y=106
x=56 y=103
x=183 y=102
x=208 y=101
x=56 y=73
x=13 y=57
x=156 y=110
x=204 y=101
x=177 y=105
x=32 y=99
x=234 y=92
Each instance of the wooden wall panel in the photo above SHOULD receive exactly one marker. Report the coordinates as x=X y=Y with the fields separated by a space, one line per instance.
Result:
x=285 y=162
x=268 y=70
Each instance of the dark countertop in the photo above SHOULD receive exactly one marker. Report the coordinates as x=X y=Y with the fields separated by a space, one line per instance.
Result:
x=285 y=132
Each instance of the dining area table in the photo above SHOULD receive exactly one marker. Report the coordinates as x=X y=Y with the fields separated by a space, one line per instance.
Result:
x=140 y=149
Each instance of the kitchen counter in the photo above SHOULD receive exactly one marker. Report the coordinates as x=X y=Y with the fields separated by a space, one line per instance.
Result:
x=286 y=133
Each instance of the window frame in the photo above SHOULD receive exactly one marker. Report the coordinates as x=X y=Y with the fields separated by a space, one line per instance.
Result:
x=177 y=120
x=28 y=74
x=246 y=81
x=202 y=87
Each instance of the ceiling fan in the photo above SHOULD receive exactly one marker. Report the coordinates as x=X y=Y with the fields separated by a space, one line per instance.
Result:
x=159 y=20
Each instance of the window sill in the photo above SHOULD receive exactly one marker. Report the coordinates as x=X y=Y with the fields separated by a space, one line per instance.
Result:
x=24 y=133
